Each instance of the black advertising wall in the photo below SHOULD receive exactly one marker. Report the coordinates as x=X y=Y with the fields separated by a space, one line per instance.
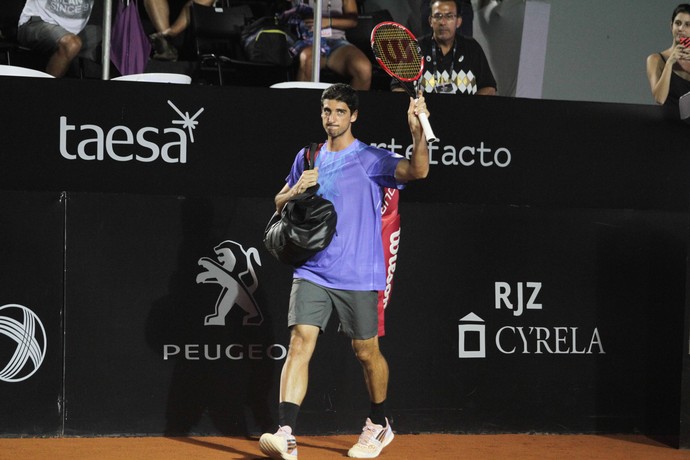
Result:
x=31 y=347
x=560 y=320
x=138 y=264
x=182 y=139
x=540 y=283
x=574 y=314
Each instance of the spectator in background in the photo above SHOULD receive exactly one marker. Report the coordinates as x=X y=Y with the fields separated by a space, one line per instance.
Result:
x=59 y=27
x=453 y=64
x=337 y=54
x=669 y=71
x=159 y=14
x=464 y=9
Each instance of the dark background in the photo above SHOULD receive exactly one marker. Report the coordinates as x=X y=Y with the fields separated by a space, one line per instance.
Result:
x=593 y=206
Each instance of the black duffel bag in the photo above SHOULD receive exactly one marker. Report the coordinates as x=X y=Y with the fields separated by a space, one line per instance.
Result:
x=305 y=225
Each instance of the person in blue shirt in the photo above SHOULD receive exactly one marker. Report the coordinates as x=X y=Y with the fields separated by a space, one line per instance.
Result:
x=337 y=54
x=347 y=275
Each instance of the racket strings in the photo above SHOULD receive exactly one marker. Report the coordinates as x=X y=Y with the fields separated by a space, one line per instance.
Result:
x=398 y=52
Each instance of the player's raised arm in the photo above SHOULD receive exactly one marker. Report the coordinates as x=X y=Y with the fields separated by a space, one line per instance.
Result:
x=417 y=167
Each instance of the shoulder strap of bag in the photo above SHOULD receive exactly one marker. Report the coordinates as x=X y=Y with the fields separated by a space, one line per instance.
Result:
x=313 y=147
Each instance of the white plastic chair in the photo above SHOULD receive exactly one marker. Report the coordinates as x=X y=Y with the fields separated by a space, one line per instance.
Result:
x=157 y=78
x=301 y=85
x=16 y=71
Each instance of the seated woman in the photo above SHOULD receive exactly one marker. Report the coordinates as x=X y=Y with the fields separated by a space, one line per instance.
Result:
x=337 y=54
x=669 y=71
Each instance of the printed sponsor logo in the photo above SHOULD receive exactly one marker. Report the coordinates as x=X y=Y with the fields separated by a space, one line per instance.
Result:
x=91 y=142
x=390 y=233
x=388 y=197
x=24 y=339
x=510 y=339
x=233 y=351
x=472 y=337
x=396 y=51
x=503 y=290
x=393 y=245
x=233 y=271
x=481 y=155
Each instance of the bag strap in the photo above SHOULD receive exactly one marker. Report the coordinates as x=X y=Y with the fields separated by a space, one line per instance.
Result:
x=313 y=147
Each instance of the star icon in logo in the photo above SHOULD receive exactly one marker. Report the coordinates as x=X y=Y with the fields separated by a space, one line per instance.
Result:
x=186 y=121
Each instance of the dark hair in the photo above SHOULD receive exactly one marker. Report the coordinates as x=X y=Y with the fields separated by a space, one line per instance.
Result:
x=342 y=92
x=458 y=5
x=682 y=8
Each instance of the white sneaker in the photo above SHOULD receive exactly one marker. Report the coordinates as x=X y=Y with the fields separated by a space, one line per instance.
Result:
x=372 y=440
x=281 y=445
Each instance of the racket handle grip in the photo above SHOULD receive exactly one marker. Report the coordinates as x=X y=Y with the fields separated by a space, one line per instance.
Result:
x=428 y=132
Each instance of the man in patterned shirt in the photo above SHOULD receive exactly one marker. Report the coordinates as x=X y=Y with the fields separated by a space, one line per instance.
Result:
x=453 y=63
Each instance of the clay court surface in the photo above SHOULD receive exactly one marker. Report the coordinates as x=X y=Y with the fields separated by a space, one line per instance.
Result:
x=426 y=446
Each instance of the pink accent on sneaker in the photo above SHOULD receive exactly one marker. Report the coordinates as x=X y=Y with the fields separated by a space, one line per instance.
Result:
x=282 y=445
x=372 y=440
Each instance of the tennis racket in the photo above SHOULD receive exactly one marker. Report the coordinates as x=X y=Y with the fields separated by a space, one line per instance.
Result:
x=397 y=52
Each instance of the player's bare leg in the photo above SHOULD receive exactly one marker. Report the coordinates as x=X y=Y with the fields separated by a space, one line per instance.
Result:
x=375 y=435
x=293 y=387
x=295 y=375
x=375 y=367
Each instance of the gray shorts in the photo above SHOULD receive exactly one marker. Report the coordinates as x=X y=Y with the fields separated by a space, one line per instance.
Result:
x=39 y=35
x=312 y=304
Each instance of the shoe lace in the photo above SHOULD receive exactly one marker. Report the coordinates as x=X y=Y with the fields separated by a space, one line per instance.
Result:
x=368 y=432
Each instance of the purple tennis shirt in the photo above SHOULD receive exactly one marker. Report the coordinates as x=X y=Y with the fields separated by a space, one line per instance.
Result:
x=352 y=179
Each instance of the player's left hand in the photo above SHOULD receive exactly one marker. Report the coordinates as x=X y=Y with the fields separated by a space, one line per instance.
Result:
x=416 y=107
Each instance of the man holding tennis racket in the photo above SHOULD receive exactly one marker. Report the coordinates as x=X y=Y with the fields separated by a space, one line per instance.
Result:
x=345 y=276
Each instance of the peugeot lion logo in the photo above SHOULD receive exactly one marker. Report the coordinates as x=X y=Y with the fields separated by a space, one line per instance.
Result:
x=19 y=324
x=234 y=266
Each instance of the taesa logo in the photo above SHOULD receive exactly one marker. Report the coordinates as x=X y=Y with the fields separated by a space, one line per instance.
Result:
x=22 y=343
x=147 y=144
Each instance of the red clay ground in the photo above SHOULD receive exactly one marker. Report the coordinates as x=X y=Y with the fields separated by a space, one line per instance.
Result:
x=418 y=447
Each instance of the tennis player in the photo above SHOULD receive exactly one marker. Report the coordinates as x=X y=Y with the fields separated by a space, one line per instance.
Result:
x=345 y=276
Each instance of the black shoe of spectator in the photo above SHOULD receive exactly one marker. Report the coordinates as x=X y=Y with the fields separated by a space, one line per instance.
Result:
x=163 y=50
